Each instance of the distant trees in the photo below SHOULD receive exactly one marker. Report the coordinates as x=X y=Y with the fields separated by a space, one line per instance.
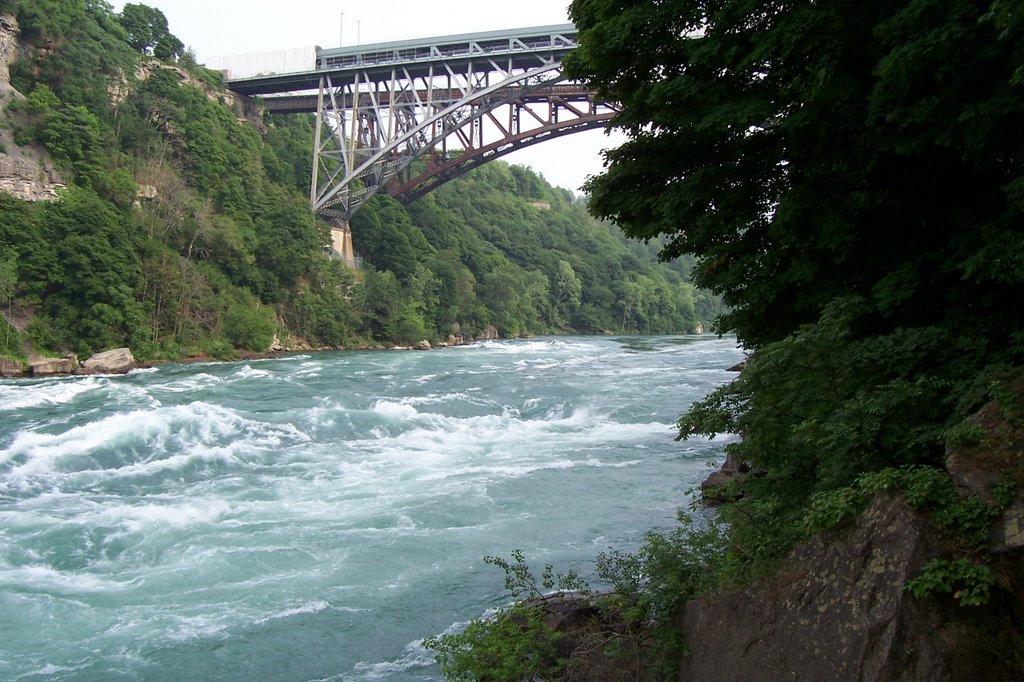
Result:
x=186 y=230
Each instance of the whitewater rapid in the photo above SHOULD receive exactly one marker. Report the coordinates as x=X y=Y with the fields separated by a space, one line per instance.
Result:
x=314 y=517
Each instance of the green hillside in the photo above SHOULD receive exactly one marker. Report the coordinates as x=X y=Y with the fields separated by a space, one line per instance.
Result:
x=185 y=225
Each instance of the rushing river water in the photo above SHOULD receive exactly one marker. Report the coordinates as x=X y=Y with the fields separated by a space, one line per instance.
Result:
x=315 y=516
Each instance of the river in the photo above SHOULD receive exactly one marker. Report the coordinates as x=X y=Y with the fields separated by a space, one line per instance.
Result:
x=313 y=517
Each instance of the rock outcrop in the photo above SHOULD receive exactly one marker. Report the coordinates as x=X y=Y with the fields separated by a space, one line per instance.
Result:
x=25 y=172
x=45 y=367
x=12 y=368
x=837 y=611
x=9 y=32
x=714 y=488
x=489 y=333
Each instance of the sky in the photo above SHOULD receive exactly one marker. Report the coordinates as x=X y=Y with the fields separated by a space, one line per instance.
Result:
x=227 y=27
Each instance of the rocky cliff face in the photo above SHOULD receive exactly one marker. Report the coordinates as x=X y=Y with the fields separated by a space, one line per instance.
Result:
x=25 y=172
x=839 y=610
x=8 y=44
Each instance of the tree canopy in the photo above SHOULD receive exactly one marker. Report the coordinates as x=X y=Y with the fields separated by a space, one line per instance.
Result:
x=849 y=177
x=807 y=151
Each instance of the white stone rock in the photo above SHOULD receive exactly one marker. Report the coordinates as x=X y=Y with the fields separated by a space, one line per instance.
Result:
x=111 y=361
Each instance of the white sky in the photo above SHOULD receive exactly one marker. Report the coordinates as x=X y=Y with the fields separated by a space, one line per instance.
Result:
x=226 y=27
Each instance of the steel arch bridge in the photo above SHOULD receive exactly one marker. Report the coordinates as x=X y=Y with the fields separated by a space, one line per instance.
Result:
x=405 y=117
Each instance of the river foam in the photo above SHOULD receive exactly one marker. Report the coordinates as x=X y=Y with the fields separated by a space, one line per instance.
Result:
x=315 y=517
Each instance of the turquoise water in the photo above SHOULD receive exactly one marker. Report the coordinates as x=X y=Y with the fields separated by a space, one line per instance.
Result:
x=315 y=517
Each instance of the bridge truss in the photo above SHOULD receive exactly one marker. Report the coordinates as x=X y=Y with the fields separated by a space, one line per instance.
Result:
x=407 y=117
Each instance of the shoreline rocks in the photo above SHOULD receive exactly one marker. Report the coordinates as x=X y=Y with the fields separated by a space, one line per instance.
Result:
x=715 y=489
x=122 y=361
x=45 y=367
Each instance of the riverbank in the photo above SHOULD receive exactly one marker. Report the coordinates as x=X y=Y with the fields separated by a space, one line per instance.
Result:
x=68 y=365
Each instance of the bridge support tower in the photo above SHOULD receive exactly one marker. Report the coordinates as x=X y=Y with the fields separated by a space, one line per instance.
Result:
x=341 y=242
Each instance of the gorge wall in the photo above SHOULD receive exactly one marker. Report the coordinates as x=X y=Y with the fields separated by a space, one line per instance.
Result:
x=25 y=171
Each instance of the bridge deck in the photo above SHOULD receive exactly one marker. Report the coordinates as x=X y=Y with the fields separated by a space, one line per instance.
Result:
x=517 y=48
x=307 y=104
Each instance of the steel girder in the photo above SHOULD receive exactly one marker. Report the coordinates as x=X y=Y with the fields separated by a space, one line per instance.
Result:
x=371 y=128
x=542 y=115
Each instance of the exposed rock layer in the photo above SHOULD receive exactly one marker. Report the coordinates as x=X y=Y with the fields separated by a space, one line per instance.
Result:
x=8 y=44
x=25 y=172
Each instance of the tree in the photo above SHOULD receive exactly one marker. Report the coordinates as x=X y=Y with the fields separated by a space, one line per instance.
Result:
x=805 y=152
x=47 y=19
x=850 y=177
x=147 y=31
x=8 y=283
x=566 y=290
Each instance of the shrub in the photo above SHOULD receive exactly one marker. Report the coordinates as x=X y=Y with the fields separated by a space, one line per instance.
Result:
x=249 y=328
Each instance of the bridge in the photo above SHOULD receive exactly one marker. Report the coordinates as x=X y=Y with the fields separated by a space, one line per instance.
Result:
x=405 y=117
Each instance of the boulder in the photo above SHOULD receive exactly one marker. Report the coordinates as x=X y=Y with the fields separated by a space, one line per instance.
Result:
x=423 y=345
x=733 y=469
x=49 y=366
x=490 y=333
x=116 y=361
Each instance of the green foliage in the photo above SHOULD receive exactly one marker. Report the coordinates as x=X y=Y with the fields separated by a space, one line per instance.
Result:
x=10 y=342
x=75 y=138
x=806 y=155
x=968 y=582
x=964 y=520
x=513 y=644
x=226 y=229
x=46 y=20
x=8 y=275
x=826 y=403
x=322 y=312
x=522 y=584
x=652 y=584
x=146 y=31
x=842 y=178
x=248 y=327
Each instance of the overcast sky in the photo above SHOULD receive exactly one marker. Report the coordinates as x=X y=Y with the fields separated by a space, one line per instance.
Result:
x=225 y=27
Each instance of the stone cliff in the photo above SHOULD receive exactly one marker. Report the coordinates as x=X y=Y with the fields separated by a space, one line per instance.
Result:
x=25 y=172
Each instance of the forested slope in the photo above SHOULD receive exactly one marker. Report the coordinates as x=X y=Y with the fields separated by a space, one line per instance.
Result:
x=185 y=225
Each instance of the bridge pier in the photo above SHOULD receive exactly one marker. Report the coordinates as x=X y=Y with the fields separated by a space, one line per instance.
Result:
x=341 y=242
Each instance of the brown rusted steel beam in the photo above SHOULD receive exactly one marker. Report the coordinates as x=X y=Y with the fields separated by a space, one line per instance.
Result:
x=436 y=175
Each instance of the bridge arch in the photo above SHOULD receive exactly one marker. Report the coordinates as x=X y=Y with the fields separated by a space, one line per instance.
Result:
x=454 y=102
